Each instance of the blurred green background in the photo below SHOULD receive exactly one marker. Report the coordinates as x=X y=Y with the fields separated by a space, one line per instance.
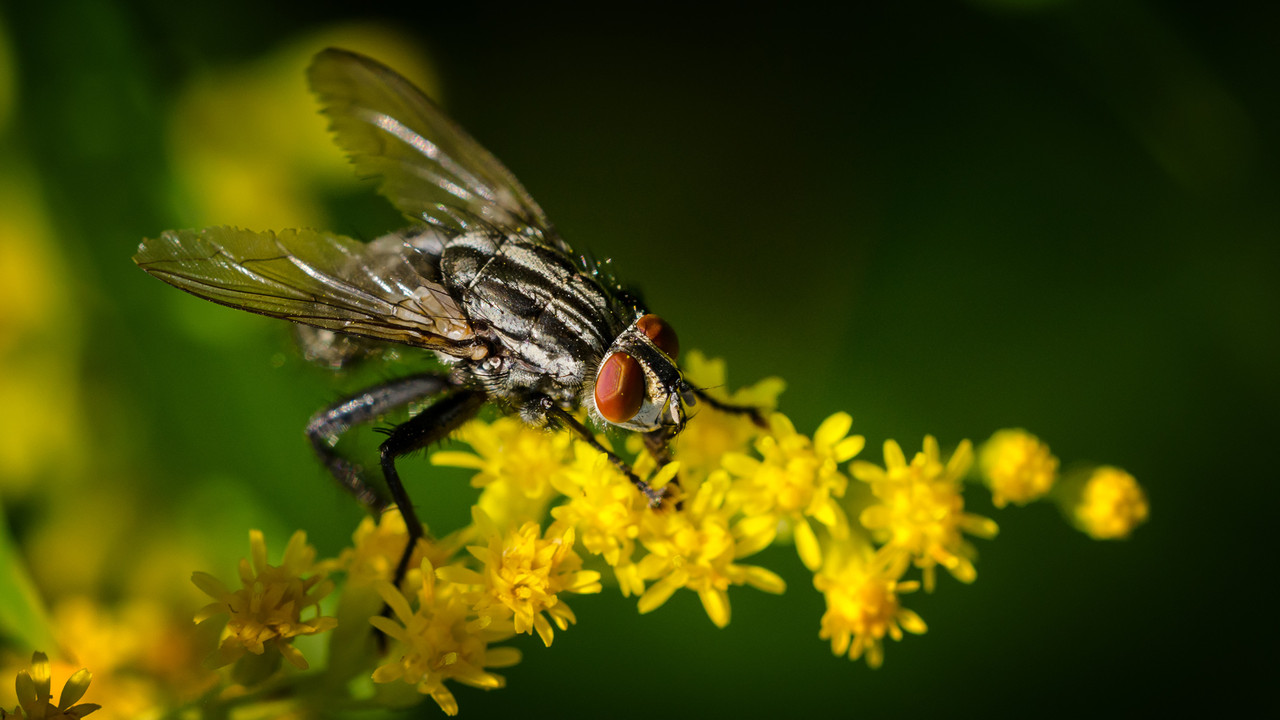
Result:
x=942 y=217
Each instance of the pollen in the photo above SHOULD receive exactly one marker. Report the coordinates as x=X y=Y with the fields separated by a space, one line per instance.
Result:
x=266 y=613
x=1111 y=504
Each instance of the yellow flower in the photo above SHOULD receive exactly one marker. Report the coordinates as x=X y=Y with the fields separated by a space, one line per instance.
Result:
x=1111 y=504
x=523 y=576
x=267 y=610
x=861 y=587
x=797 y=479
x=34 y=692
x=144 y=655
x=377 y=546
x=604 y=509
x=694 y=548
x=921 y=508
x=1017 y=467
x=710 y=434
x=438 y=643
x=515 y=464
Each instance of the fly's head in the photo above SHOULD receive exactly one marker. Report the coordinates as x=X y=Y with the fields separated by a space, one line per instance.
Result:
x=638 y=385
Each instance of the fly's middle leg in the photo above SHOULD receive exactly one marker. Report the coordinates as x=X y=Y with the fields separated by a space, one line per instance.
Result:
x=430 y=426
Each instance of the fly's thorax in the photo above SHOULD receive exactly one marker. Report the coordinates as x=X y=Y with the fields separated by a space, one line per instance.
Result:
x=638 y=385
x=548 y=321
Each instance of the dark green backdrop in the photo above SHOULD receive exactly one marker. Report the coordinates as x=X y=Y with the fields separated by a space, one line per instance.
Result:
x=942 y=217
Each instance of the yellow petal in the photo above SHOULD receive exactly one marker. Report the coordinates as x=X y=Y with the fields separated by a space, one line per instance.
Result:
x=27 y=694
x=739 y=465
x=764 y=579
x=40 y=676
x=292 y=654
x=544 y=629
x=209 y=585
x=832 y=429
x=459 y=574
x=453 y=458
x=980 y=526
x=840 y=643
x=716 y=603
x=295 y=553
x=960 y=460
x=875 y=517
x=964 y=571
x=445 y=700
x=807 y=545
x=665 y=475
x=395 y=600
x=752 y=544
x=258 y=550
x=74 y=689
x=83 y=709
x=875 y=654
x=893 y=457
x=389 y=627
x=210 y=610
x=781 y=425
x=657 y=594
x=584 y=582
x=501 y=657
x=848 y=447
x=911 y=622
x=866 y=471
x=388 y=673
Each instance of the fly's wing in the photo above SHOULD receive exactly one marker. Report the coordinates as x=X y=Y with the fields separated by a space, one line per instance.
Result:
x=428 y=165
x=385 y=290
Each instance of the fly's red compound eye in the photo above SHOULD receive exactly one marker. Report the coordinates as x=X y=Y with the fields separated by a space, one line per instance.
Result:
x=661 y=333
x=619 y=388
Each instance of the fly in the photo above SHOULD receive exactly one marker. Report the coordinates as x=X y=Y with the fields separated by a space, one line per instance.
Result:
x=480 y=278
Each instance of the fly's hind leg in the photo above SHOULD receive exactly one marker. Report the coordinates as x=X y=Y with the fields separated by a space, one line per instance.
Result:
x=329 y=424
x=442 y=417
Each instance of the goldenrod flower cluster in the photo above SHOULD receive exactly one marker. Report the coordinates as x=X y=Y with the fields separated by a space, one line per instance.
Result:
x=554 y=518
x=267 y=611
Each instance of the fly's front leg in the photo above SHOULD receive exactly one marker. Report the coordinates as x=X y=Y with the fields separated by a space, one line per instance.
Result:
x=544 y=408
x=753 y=413
x=430 y=426
x=658 y=443
x=330 y=423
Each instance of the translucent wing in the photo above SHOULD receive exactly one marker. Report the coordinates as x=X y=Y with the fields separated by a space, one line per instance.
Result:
x=386 y=290
x=428 y=165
